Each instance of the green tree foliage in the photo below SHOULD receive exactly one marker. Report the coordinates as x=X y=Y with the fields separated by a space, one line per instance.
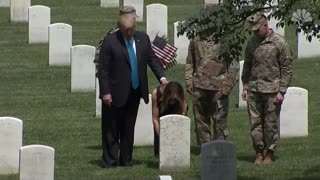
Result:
x=225 y=23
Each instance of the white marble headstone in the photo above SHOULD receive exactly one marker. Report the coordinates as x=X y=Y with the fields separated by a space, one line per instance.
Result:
x=138 y=5
x=83 y=69
x=143 y=134
x=294 y=113
x=36 y=162
x=98 y=100
x=174 y=142
x=60 y=42
x=273 y=22
x=109 y=3
x=241 y=103
x=308 y=49
x=210 y=2
x=182 y=43
x=11 y=135
x=165 y=177
x=19 y=10
x=157 y=20
x=5 y=3
x=39 y=21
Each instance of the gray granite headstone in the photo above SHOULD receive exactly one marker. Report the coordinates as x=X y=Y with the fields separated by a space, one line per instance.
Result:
x=174 y=142
x=218 y=160
x=36 y=162
x=10 y=143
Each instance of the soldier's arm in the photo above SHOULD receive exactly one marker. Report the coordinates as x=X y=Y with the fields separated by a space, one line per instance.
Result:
x=189 y=64
x=232 y=77
x=246 y=70
x=285 y=62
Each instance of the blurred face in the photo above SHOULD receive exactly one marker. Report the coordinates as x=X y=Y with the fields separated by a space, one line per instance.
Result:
x=127 y=32
x=263 y=31
x=127 y=25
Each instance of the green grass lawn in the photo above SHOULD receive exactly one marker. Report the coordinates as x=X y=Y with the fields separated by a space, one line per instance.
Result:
x=40 y=96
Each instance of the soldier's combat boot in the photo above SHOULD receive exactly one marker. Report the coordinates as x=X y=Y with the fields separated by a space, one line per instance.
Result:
x=269 y=157
x=259 y=158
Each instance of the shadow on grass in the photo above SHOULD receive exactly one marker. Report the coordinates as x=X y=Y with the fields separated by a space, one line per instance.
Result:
x=152 y=164
x=246 y=157
x=247 y=178
x=94 y=147
x=195 y=150
x=96 y=162
x=9 y=177
x=310 y=174
x=313 y=171
x=306 y=178
x=134 y=163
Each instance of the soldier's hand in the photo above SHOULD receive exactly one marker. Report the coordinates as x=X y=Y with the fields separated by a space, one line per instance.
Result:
x=279 y=98
x=245 y=94
x=107 y=99
x=190 y=88
x=224 y=92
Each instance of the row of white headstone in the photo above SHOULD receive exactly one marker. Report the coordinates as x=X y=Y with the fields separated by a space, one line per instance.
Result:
x=294 y=110
x=157 y=17
x=31 y=162
x=61 y=51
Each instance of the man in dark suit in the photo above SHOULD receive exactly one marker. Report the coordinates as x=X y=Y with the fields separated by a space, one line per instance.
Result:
x=122 y=71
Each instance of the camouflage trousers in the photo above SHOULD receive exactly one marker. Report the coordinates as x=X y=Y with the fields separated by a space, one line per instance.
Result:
x=264 y=116
x=210 y=109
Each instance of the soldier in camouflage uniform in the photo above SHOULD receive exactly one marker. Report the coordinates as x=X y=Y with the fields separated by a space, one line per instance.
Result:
x=266 y=75
x=210 y=81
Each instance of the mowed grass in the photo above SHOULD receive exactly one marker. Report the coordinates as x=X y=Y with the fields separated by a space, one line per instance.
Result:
x=40 y=96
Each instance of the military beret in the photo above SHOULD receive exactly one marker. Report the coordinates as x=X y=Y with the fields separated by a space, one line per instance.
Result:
x=127 y=10
x=256 y=21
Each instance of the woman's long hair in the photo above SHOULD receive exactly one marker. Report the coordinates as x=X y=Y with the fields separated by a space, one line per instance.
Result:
x=172 y=100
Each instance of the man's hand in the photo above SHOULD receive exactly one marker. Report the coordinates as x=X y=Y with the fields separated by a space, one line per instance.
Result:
x=279 y=98
x=164 y=81
x=190 y=88
x=245 y=94
x=107 y=99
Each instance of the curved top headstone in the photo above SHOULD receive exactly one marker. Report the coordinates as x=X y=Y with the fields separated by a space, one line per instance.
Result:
x=11 y=135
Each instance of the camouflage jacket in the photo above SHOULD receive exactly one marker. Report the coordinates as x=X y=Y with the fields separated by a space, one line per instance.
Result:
x=205 y=71
x=268 y=65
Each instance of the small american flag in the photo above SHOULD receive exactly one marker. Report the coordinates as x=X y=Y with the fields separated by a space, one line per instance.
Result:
x=165 y=52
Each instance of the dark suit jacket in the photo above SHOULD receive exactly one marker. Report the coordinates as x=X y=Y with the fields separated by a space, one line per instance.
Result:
x=114 y=69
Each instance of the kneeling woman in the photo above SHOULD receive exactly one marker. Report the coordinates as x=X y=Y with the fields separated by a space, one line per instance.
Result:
x=168 y=99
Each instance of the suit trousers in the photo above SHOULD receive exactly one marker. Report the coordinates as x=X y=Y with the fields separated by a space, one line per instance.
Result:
x=118 y=131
